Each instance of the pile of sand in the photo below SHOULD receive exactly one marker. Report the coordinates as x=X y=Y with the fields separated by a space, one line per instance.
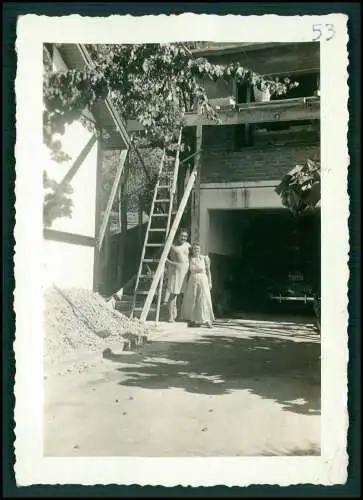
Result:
x=79 y=321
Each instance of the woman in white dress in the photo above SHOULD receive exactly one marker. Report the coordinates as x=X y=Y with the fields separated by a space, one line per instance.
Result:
x=177 y=269
x=197 y=306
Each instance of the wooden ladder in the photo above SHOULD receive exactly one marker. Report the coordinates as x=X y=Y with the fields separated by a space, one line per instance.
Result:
x=161 y=263
x=161 y=211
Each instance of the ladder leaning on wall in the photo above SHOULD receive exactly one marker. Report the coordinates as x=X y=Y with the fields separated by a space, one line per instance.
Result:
x=158 y=227
x=150 y=276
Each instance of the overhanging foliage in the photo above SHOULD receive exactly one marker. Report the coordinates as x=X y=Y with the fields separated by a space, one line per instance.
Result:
x=300 y=188
x=152 y=83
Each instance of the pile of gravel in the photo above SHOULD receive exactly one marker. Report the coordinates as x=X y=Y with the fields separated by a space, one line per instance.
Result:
x=78 y=320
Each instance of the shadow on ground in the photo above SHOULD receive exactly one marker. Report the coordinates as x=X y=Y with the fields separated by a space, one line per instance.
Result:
x=280 y=363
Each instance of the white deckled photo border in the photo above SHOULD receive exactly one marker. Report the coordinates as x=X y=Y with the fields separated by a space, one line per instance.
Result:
x=31 y=466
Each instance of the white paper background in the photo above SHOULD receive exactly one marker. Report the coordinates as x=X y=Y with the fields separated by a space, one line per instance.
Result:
x=31 y=467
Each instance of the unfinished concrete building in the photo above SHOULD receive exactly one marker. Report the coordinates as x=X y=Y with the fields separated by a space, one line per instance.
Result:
x=261 y=254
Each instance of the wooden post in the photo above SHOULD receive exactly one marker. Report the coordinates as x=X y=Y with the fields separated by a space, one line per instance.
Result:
x=123 y=156
x=247 y=125
x=97 y=255
x=140 y=234
x=187 y=213
x=119 y=205
x=176 y=172
x=140 y=221
x=123 y=219
x=120 y=240
x=124 y=198
x=106 y=252
x=235 y=90
x=196 y=191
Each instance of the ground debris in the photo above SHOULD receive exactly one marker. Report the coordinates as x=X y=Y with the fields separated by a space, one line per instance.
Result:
x=77 y=320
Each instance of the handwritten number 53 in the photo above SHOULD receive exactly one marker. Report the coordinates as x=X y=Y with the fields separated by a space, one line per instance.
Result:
x=328 y=30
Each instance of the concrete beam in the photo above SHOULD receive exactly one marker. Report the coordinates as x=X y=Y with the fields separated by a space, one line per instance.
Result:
x=195 y=222
x=266 y=112
x=274 y=111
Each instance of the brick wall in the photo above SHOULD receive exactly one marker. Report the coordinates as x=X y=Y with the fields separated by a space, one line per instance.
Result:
x=273 y=155
x=255 y=164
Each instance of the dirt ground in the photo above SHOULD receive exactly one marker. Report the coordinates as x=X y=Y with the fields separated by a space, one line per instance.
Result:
x=247 y=387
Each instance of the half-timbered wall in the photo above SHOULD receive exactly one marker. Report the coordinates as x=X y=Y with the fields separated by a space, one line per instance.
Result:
x=69 y=246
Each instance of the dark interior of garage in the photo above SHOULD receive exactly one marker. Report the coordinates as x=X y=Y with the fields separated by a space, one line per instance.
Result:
x=264 y=261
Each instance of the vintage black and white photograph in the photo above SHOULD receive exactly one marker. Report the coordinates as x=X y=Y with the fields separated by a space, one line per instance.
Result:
x=182 y=219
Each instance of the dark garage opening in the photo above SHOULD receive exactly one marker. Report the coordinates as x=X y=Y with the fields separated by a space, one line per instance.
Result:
x=264 y=261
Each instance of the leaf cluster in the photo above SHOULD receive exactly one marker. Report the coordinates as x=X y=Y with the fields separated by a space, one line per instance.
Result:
x=299 y=189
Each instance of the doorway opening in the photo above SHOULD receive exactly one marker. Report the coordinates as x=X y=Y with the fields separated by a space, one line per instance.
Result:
x=264 y=261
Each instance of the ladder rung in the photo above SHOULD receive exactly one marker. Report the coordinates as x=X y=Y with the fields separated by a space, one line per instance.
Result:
x=142 y=292
x=162 y=201
x=150 y=276
x=167 y=186
x=154 y=244
x=159 y=215
x=150 y=260
x=157 y=229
